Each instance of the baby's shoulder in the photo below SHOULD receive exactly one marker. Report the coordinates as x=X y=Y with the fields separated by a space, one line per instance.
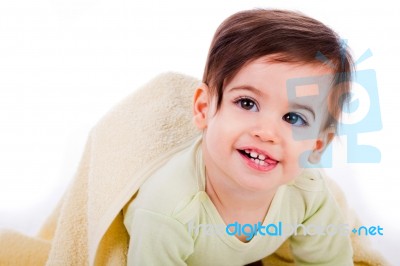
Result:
x=311 y=180
x=310 y=192
x=309 y=188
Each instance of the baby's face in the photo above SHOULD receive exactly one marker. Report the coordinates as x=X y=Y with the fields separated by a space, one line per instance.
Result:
x=260 y=132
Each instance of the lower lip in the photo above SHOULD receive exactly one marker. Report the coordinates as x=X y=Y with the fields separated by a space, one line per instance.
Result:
x=256 y=166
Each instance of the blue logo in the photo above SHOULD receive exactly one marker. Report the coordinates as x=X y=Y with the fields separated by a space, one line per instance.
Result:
x=361 y=116
x=281 y=229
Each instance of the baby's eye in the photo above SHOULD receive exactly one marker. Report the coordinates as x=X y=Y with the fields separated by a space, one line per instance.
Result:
x=295 y=119
x=247 y=104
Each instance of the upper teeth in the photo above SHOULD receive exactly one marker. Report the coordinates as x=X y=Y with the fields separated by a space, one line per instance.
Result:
x=255 y=155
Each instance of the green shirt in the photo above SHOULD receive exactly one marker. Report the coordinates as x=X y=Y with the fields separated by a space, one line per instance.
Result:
x=172 y=221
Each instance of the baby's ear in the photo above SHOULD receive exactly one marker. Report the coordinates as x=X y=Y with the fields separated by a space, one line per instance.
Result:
x=321 y=143
x=201 y=106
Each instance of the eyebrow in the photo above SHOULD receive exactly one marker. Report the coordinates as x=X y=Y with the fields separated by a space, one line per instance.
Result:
x=248 y=88
x=260 y=93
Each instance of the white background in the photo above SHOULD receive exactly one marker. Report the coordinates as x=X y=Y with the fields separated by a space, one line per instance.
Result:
x=63 y=64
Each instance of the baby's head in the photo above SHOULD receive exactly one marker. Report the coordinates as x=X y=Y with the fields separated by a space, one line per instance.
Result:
x=285 y=36
x=274 y=86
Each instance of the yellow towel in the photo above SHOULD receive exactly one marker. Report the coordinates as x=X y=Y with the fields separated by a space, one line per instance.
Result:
x=141 y=132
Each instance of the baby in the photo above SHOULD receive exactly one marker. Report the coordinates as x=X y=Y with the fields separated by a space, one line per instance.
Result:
x=273 y=89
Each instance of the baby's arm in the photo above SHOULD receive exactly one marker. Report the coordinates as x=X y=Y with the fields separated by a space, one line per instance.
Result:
x=329 y=246
x=156 y=239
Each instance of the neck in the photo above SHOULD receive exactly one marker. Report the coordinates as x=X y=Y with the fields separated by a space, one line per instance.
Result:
x=235 y=204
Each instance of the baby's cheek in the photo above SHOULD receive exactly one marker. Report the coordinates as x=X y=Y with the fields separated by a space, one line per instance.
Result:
x=295 y=165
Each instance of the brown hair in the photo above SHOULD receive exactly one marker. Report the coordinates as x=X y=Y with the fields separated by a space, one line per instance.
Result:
x=290 y=37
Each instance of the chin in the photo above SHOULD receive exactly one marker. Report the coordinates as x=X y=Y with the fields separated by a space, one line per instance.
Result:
x=259 y=185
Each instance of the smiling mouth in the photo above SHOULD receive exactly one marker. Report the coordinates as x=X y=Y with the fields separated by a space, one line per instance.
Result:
x=257 y=158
